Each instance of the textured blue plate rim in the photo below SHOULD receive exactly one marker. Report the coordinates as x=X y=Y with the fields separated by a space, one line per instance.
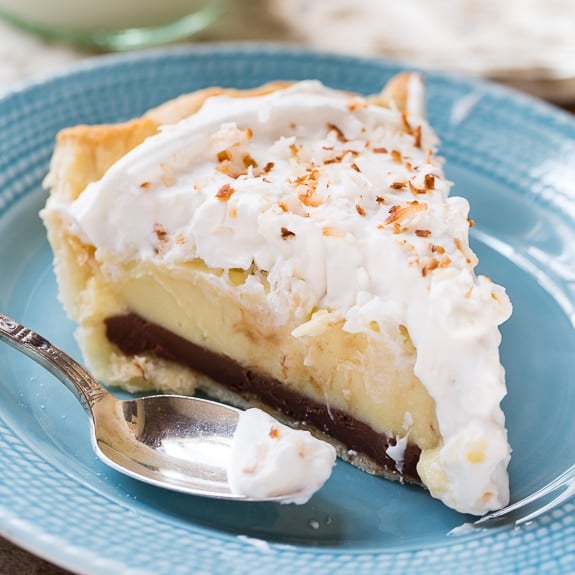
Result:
x=42 y=543
x=556 y=115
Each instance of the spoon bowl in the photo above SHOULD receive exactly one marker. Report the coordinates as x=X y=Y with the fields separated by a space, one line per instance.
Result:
x=176 y=442
x=170 y=441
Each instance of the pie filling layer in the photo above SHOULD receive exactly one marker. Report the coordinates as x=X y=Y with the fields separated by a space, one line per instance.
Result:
x=134 y=335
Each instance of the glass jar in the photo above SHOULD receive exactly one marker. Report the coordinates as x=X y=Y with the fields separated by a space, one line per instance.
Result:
x=113 y=24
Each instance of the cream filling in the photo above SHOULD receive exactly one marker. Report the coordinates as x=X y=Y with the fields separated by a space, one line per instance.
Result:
x=368 y=380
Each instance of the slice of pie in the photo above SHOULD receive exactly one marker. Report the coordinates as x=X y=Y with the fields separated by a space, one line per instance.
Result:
x=294 y=248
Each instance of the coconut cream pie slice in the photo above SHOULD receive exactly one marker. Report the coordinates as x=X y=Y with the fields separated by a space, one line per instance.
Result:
x=293 y=248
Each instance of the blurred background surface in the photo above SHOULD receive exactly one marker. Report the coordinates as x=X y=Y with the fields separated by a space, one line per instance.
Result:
x=529 y=44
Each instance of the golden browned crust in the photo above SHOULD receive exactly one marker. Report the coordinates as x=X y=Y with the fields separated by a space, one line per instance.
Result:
x=395 y=93
x=83 y=154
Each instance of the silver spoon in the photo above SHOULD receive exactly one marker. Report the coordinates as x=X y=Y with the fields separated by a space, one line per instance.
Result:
x=171 y=441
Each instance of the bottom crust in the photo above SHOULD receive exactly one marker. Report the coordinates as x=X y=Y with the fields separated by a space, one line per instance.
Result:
x=227 y=380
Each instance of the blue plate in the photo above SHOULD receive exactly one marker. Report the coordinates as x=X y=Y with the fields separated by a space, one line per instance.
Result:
x=513 y=157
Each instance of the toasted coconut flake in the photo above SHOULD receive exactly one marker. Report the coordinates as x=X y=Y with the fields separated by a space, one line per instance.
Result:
x=429 y=267
x=398 y=213
x=356 y=104
x=330 y=231
x=248 y=161
x=225 y=167
x=460 y=247
x=168 y=176
x=224 y=155
x=445 y=262
x=309 y=182
x=422 y=233
x=429 y=181
x=310 y=199
x=225 y=193
x=161 y=236
x=406 y=125
x=415 y=190
x=417 y=137
x=160 y=232
x=359 y=210
x=339 y=134
x=286 y=234
x=336 y=159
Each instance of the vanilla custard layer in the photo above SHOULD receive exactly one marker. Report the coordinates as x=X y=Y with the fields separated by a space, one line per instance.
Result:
x=365 y=375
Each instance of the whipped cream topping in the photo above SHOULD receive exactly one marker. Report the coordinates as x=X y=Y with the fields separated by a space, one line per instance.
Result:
x=269 y=459
x=344 y=204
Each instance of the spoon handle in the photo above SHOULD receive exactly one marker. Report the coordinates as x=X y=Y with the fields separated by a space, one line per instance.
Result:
x=85 y=387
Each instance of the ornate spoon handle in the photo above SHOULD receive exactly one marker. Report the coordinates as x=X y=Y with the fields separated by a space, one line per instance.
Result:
x=85 y=388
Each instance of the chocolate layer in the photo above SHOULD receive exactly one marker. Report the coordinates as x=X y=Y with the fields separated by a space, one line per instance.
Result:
x=134 y=335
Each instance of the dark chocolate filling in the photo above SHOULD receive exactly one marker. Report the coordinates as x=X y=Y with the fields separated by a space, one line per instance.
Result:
x=134 y=335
